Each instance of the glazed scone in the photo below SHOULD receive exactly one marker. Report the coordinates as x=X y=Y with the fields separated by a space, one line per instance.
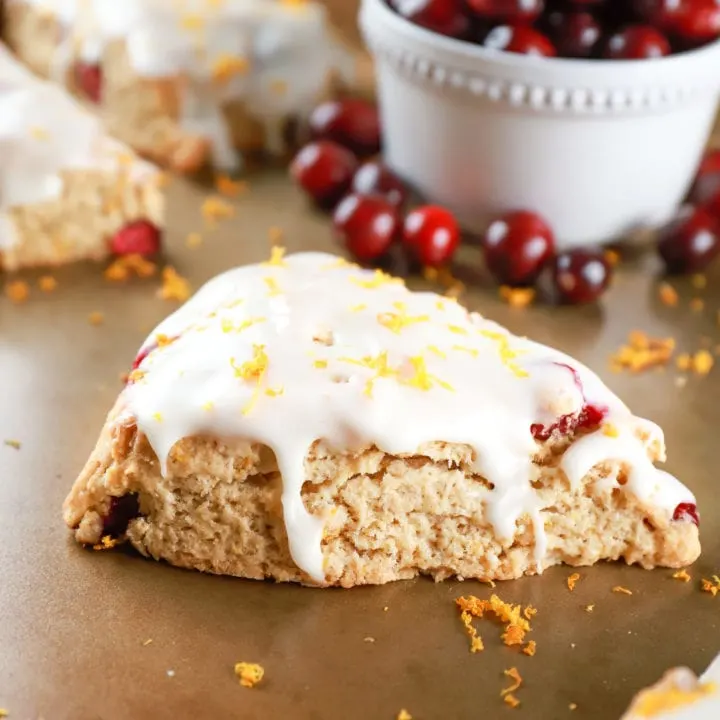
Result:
x=680 y=695
x=310 y=421
x=67 y=187
x=184 y=82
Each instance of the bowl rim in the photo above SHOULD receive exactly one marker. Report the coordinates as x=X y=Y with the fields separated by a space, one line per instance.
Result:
x=675 y=64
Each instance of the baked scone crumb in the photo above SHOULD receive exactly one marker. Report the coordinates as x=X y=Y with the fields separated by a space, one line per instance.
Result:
x=147 y=642
x=621 y=590
x=572 y=706
x=249 y=674
x=682 y=575
x=174 y=286
x=711 y=586
x=404 y=715
x=589 y=608
x=572 y=581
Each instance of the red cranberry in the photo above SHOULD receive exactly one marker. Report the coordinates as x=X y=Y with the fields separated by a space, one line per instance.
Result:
x=687 y=512
x=707 y=182
x=367 y=225
x=446 y=17
x=507 y=11
x=431 y=234
x=690 y=242
x=575 y=34
x=581 y=276
x=517 y=246
x=136 y=238
x=713 y=206
x=353 y=123
x=699 y=21
x=519 y=39
x=142 y=355
x=374 y=178
x=663 y=14
x=637 y=42
x=121 y=512
x=89 y=79
x=589 y=418
x=324 y=170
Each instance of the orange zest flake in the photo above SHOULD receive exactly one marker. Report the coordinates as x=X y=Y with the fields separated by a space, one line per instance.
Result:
x=457 y=330
x=531 y=648
x=276 y=235
x=228 y=187
x=275 y=392
x=512 y=616
x=508 y=693
x=174 y=286
x=254 y=371
x=17 y=291
x=668 y=294
x=701 y=363
x=38 y=132
x=96 y=318
x=107 y=543
x=682 y=575
x=529 y=612
x=272 y=286
x=135 y=376
x=476 y=643
x=338 y=264
x=15 y=444
x=699 y=281
x=215 y=208
x=125 y=267
x=511 y=700
x=435 y=350
x=249 y=674
x=277 y=257
x=621 y=590
x=320 y=364
x=227 y=325
x=226 y=66
x=278 y=86
x=655 y=702
x=572 y=581
x=422 y=379
x=507 y=354
x=711 y=586
x=613 y=257
x=192 y=22
x=47 y=283
x=470 y=351
x=397 y=321
x=610 y=430
x=193 y=240
x=517 y=297
x=358 y=308
x=697 y=304
x=513 y=635
x=642 y=352
x=404 y=715
x=379 y=279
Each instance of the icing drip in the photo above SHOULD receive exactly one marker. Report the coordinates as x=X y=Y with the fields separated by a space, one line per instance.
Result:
x=310 y=348
x=274 y=56
x=45 y=132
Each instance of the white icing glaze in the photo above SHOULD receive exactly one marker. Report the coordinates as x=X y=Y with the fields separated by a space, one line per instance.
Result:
x=43 y=132
x=402 y=369
x=285 y=43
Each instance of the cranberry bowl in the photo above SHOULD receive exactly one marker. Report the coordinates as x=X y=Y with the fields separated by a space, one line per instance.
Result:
x=602 y=148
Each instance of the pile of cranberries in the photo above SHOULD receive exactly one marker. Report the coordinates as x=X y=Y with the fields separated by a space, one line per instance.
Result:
x=340 y=172
x=590 y=29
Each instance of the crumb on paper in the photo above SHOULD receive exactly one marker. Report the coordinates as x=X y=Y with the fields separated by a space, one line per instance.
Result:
x=404 y=715
x=642 y=352
x=589 y=608
x=621 y=590
x=147 y=642
x=17 y=291
x=682 y=575
x=386 y=608
x=174 y=286
x=171 y=673
x=249 y=674
x=572 y=581
x=508 y=693
x=228 y=187
x=107 y=543
x=531 y=648
x=369 y=639
x=701 y=363
x=572 y=706
x=697 y=304
x=214 y=208
x=517 y=297
x=511 y=700
x=127 y=266
x=96 y=318
x=193 y=240
x=711 y=586
x=47 y=283
x=15 y=444
x=668 y=294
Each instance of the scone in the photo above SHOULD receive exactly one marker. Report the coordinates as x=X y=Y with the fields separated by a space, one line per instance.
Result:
x=183 y=82
x=680 y=695
x=67 y=187
x=307 y=420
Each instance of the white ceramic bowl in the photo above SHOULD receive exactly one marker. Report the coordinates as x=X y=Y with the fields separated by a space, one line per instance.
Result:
x=600 y=148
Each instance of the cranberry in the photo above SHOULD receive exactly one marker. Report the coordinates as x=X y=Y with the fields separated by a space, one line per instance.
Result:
x=507 y=11
x=687 y=512
x=581 y=276
x=575 y=34
x=519 y=39
x=367 y=225
x=707 y=182
x=122 y=510
x=516 y=247
x=144 y=352
x=140 y=237
x=713 y=206
x=663 y=14
x=353 y=123
x=637 y=42
x=699 y=21
x=690 y=242
x=89 y=79
x=589 y=418
x=446 y=17
x=324 y=170
x=374 y=178
x=431 y=234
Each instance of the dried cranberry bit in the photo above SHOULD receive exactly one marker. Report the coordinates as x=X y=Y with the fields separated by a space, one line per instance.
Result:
x=142 y=355
x=324 y=170
x=137 y=238
x=507 y=11
x=89 y=79
x=431 y=235
x=123 y=510
x=517 y=246
x=366 y=225
x=374 y=178
x=446 y=17
x=589 y=418
x=352 y=123
x=687 y=512
x=519 y=39
x=637 y=42
x=581 y=276
x=691 y=241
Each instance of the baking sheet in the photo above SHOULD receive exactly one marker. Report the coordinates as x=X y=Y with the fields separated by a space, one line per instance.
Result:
x=74 y=624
